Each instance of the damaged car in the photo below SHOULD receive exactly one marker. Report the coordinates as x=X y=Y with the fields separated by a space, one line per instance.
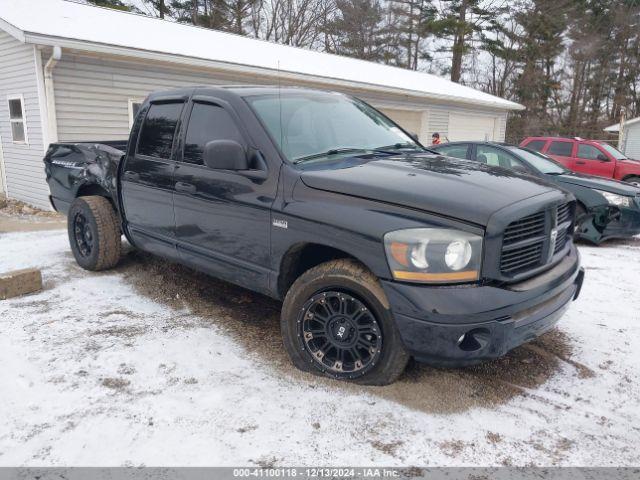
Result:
x=605 y=209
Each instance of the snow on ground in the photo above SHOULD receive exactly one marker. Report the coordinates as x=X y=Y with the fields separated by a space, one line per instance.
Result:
x=152 y=364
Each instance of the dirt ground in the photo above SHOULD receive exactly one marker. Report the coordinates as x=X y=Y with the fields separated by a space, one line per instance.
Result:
x=16 y=216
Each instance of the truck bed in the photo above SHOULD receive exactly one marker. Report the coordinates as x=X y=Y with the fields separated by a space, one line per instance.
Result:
x=73 y=166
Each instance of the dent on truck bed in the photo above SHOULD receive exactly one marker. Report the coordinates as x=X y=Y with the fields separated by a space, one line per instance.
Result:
x=74 y=169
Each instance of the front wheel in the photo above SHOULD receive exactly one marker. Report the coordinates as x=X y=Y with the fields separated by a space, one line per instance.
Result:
x=633 y=181
x=336 y=322
x=94 y=233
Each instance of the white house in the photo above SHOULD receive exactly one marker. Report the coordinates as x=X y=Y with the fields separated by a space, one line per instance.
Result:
x=73 y=72
x=629 y=137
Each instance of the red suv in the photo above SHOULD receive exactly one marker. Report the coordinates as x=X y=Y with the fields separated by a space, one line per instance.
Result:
x=587 y=156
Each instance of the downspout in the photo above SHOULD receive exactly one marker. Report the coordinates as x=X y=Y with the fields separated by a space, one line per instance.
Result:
x=52 y=123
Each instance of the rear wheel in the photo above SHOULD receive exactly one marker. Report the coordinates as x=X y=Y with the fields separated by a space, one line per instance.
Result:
x=336 y=321
x=94 y=233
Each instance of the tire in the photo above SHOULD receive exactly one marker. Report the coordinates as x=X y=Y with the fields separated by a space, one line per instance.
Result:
x=633 y=180
x=94 y=233
x=348 y=288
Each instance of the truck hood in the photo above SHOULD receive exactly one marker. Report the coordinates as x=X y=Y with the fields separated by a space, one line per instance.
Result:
x=599 y=183
x=450 y=187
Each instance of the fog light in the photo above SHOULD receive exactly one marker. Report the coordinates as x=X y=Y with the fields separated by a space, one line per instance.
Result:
x=473 y=340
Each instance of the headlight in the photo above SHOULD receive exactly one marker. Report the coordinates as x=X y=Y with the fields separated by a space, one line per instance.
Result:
x=434 y=255
x=615 y=199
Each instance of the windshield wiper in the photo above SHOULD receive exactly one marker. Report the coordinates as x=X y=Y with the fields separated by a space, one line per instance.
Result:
x=329 y=153
x=399 y=146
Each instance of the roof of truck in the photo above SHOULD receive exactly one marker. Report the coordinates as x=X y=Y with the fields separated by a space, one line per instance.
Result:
x=73 y=25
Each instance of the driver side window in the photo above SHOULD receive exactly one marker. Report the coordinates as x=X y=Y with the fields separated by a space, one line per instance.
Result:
x=207 y=123
x=588 y=152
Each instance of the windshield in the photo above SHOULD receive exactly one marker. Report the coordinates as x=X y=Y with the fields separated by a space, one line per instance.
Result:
x=314 y=126
x=539 y=161
x=614 y=152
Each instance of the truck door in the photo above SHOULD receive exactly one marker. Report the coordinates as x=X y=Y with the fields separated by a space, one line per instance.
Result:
x=594 y=161
x=147 y=180
x=222 y=216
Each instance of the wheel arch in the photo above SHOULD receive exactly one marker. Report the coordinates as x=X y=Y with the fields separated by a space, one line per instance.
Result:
x=94 y=189
x=626 y=178
x=303 y=256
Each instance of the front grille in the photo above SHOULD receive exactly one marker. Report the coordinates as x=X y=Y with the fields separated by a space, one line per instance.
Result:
x=524 y=229
x=521 y=259
x=564 y=213
x=561 y=240
x=526 y=242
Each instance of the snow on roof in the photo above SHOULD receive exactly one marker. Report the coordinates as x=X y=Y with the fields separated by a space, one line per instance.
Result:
x=74 y=25
x=616 y=128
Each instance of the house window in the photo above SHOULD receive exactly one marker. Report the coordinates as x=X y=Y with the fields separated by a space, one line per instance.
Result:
x=17 y=119
x=134 y=108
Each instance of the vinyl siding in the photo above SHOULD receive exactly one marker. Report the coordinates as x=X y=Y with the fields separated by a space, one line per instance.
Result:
x=24 y=171
x=632 y=141
x=92 y=94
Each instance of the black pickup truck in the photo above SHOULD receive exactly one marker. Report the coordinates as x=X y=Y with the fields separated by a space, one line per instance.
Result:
x=380 y=249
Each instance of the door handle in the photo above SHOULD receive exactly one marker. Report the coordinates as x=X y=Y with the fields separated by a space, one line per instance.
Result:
x=185 y=187
x=131 y=176
x=580 y=163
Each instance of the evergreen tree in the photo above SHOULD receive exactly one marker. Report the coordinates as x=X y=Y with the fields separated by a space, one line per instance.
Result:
x=462 y=22
x=357 y=30
x=413 y=23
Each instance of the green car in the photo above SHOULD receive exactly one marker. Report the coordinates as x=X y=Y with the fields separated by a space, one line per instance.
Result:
x=606 y=208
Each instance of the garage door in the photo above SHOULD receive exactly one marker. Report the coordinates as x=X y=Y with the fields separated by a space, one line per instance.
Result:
x=471 y=127
x=410 y=120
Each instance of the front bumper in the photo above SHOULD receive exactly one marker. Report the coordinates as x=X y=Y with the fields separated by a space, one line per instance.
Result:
x=462 y=325
x=607 y=222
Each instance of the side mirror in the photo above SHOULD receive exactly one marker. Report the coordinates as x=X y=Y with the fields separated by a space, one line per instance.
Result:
x=414 y=136
x=225 y=155
x=602 y=157
x=520 y=169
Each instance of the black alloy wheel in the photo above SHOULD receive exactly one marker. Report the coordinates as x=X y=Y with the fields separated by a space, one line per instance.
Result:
x=340 y=333
x=83 y=234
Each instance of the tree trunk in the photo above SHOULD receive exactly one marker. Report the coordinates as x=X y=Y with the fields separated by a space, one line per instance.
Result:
x=194 y=12
x=459 y=43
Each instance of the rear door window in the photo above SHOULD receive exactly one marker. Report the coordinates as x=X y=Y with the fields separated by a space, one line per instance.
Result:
x=457 y=151
x=588 y=152
x=159 y=129
x=207 y=123
x=562 y=149
x=536 y=145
